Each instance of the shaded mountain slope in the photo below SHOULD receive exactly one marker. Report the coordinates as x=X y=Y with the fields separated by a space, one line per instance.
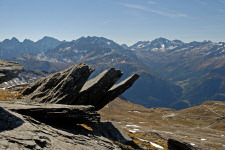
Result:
x=210 y=87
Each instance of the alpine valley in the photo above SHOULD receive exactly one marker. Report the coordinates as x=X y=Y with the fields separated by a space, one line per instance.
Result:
x=173 y=74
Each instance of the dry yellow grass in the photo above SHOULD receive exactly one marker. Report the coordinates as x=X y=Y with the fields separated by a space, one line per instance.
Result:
x=9 y=95
x=85 y=127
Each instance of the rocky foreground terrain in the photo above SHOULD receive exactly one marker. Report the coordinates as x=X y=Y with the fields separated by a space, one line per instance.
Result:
x=40 y=122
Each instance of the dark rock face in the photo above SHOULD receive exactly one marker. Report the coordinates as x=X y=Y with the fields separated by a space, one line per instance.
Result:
x=8 y=121
x=9 y=70
x=177 y=145
x=70 y=87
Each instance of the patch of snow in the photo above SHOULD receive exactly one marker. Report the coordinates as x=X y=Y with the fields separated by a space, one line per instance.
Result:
x=155 y=49
x=171 y=47
x=75 y=51
x=141 y=45
x=131 y=125
x=162 y=46
x=108 y=43
x=203 y=139
x=222 y=135
x=168 y=132
x=192 y=144
x=3 y=88
x=153 y=144
x=156 y=145
x=67 y=48
x=67 y=60
x=133 y=131
x=137 y=111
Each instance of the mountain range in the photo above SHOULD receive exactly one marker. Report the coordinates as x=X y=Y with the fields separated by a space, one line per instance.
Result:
x=173 y=73
x=10 y=48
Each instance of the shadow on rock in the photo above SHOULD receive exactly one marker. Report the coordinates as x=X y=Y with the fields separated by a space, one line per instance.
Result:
x=9 y=121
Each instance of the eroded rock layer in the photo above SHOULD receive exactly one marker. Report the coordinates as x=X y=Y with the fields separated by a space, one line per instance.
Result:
x=55 y=113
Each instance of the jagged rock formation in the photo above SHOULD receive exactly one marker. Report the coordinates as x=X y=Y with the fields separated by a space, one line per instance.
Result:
x=61 y=87
x=70 y=87
x=19 y=129
x=9 y=70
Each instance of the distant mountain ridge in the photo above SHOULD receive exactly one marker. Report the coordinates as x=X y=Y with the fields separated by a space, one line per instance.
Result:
x=168 y=68
x=159 y=44
x=10 y=48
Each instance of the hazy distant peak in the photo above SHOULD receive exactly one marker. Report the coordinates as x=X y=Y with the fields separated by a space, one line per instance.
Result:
x=11 y=42
x=15 y=39
x=178 y=41
x=125 y=46
x=161 y=39
x=47 y=38
x=27 y=41
x=93 y=39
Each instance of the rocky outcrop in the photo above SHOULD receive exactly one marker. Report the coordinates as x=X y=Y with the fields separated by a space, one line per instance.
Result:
x=178 y=145
x=61 y=87
x=70 y=87
x=9 y=70
x=20 y=130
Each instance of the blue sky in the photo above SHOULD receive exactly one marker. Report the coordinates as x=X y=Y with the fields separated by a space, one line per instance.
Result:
x=124 y=21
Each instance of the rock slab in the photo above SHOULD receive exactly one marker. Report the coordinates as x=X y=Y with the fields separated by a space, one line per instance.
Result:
x=54 y=113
